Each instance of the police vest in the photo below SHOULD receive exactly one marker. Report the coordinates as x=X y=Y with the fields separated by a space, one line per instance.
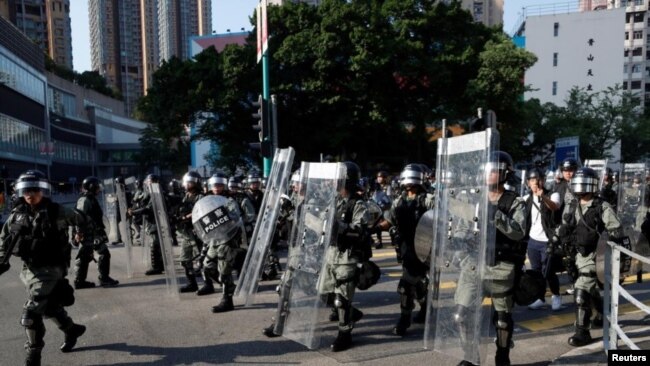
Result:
x=95 y=211
x=506 y=249
x=356 y=240
x=40 y=241
x=407 y=216
x=589 y=227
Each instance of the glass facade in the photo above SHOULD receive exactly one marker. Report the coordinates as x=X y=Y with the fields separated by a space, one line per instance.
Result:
x=24 y=139
x=61 y=102
x=19 y=137
x=21 y=80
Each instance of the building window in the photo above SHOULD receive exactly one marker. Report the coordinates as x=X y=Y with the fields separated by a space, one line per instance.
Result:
x=638 y=34
x=637 y=51
x=635 y=84
x=625 y=85
x=636 y=68
x=554 y=92
x=638 y=2
x=627 y=36
x=556 y=29
x=554 y=59
x=625 y=69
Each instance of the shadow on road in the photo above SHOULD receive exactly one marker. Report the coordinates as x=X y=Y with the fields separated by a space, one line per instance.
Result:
x=216 y=354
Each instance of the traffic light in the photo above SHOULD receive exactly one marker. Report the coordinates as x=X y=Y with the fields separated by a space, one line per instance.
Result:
x=262 y=124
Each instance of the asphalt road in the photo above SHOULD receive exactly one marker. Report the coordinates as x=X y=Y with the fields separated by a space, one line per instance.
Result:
x=137 y=323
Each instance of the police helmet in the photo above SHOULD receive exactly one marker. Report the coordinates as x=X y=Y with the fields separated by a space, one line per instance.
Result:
x=569 y=164
x=217 y=178
x=31 y=181
x=412 y=174
x=295 y=178
x=253 y=177
x=234 y=184
x=152 y=178
x=585 y=180
x=175 y=187
x=535 y=174
x=501 y=161
x=352 y=175
x=191 y=177
x=91 y=184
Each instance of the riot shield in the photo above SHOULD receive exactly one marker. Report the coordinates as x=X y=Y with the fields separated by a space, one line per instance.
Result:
x=301 y=305
x=125 y=227
x=164 y=236
x=632 y=211
x=110 y=211
x=424 y=237
x=600 y=166
x=458 y=324
x=277 y=185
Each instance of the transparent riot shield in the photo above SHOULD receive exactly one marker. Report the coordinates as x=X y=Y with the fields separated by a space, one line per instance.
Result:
x=125 y=227
x=277 y=185
x=600 y=166
x=165 y=237
x=110 y=211
x=458 y=323
x=632 y=211
x=301 y=305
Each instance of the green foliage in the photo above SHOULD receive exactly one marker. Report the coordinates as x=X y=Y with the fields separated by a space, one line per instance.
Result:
x=88 y=79
x=600 y=119
x=359 y=79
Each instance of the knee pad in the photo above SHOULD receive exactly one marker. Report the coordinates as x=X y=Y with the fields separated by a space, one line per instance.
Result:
x=421 y=288
x=460 y=313
x=504 y=326
x=31 y=320
x=340 y=302
x=582 y=298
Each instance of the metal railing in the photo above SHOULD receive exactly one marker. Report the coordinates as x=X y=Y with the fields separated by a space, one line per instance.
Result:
x=612 y=331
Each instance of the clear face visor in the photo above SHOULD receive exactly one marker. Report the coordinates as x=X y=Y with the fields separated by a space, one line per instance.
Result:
x=411 y=177
x=584 y=185
x=27 y=187
x=213 y=181
x=496 y=167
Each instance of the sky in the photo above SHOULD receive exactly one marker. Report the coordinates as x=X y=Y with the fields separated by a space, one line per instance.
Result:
x=233 y=15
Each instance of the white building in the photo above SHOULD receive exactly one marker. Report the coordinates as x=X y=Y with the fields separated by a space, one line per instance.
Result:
x=583 y=49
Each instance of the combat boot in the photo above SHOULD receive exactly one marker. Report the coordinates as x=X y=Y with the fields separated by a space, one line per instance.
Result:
x=502 y=357
x=79 y=285
x=33 y=355
x=71 y=336
x=153 y=271
x=225 y=305
x=466 y=363
x=270 y=331
x=421 y=316
x=107 y=281
x=402 y=325
x=342 y=342
x=190 y=287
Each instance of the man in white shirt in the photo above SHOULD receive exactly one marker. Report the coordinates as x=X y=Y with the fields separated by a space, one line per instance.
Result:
x=540 y=205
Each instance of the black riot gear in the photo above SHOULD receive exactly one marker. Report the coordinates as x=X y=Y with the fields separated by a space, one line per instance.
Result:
x=501 y=161
x=175 y=187
x=412 y=174
x=352 y=176
x=191 y=177
x=569 y=164
x=217 y=178
x=152 y=178
x=31 y=180
x=91 y=184
x=585 y=180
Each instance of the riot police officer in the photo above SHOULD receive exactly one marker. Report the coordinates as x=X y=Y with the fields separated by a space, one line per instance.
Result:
x=187 y=239
x=217 y=222
x=508 y=213
x=94 y=240
x=583 y=224
x=36 y=231
x=254 y=193
x=607 y=192
x=351 y=248
x=568 y=167
x=144 y=213
x=403 y=216
x=138 y=201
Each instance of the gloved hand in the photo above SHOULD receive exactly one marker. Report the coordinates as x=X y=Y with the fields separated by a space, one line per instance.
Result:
x=4 y=267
